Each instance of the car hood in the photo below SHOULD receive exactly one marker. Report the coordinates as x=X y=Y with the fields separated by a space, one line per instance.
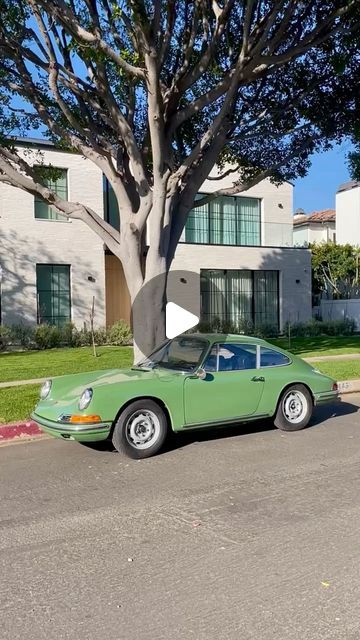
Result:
x=70 y=386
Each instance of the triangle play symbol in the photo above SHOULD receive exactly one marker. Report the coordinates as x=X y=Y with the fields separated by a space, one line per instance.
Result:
x=178 y=320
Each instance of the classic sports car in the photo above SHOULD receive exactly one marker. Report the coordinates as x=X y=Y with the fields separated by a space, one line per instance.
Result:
x=191 y=382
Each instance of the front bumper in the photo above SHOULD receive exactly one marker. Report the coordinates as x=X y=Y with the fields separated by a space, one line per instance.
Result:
x=80 y=432
x=325 y=397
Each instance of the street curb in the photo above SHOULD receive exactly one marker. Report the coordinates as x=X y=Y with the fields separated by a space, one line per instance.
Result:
x=23 y=431
x=20 y=431
x=349 y=386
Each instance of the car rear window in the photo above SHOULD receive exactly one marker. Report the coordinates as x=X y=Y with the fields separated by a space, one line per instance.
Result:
x=272 y=358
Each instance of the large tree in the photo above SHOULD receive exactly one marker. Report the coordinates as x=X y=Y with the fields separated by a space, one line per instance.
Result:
x=156 y=93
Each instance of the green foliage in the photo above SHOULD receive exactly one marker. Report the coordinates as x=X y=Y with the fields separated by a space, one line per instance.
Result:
x=315 y=328
x=119 y=333
x=245 y=327
x=47 y=336
x=5 y=337
x=335 y=270
x=22 y=334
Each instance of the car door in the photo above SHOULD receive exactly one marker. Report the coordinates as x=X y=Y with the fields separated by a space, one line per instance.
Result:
x=232 y=388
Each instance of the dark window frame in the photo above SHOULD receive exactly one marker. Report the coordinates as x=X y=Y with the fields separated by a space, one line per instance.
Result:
x=53 y=317
x=58 y=216
x=210 y=230
x=227 y=316
x=269 y=366
x=218 y=345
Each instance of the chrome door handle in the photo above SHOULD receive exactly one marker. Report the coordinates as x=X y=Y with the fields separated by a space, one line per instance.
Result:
x=258 y=379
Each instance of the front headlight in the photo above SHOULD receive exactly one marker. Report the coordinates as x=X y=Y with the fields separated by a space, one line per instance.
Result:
x=45 y=389
x=85 y=399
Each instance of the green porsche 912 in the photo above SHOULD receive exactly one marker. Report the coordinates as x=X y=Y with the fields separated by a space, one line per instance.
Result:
x=194 y=381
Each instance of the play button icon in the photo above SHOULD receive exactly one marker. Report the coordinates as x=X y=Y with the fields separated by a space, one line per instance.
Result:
x=180 y=308
x=178 y=320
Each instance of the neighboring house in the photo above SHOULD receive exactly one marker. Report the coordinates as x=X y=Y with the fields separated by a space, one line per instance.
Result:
x=241 y=246
x=319 y=226
x=348 y=213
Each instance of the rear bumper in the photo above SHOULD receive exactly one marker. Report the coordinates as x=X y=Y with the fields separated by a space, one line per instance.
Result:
x=325 y=397
x=80 y=432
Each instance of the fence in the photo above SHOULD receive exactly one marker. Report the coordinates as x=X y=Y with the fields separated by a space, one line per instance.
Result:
x=340 y=310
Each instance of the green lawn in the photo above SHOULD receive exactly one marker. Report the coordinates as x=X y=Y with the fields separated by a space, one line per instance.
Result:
x=320 y=346
x=339 y=369
x=56 y=362
x=16 y=403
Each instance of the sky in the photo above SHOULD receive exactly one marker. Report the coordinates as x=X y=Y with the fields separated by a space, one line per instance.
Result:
x=328 y=170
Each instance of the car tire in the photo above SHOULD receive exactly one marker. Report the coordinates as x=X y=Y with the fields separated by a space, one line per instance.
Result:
x=294 y=409
x=140 y=430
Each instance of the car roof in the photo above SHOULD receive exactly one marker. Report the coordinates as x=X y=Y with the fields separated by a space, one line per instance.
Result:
x=227 y=337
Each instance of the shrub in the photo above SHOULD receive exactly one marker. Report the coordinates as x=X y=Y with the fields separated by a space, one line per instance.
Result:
x=82 y=338
x=5 y=336
x=119 y=334
x=68 y=332
x=266 y=330
x=47 y=336
x=315 y=328
x=100 y=336
x=245 y=327
x=22 y=334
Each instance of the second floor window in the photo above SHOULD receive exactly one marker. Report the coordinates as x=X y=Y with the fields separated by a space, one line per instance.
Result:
x=111 y=207
x=59 y=184
x=226 y=220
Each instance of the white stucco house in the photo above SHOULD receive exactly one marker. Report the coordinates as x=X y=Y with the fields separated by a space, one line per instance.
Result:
x=348 y=213
x=319 y=226
x=53 y=267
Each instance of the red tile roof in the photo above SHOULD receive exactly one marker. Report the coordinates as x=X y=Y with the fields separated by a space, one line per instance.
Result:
x=327 y=215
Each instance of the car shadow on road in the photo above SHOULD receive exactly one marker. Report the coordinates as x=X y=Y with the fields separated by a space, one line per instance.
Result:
x=186 y=438
x=321 y=414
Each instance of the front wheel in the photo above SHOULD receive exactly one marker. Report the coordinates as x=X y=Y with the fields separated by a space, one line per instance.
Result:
x=294 y=409
x=140 y=430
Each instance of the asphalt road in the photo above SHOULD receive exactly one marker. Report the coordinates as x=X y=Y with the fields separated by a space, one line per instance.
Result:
x=245 y=534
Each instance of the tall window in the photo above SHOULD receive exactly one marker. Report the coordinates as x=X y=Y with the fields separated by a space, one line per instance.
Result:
x=111 y=209
x=60 y=186
x=239 y=296
x=53 y=294
x=225 y=220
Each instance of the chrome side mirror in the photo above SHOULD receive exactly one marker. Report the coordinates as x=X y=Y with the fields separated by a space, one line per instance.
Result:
x=201 y=374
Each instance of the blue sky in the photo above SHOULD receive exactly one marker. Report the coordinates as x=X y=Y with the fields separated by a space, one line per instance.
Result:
x=328 y=170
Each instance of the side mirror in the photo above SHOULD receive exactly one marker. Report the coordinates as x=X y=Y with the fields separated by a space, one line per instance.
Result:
x=201 y=374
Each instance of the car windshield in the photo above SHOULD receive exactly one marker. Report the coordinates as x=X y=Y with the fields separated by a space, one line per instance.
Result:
x=181 y=354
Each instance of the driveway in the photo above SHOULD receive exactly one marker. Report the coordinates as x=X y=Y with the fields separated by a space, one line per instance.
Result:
x=235 y=535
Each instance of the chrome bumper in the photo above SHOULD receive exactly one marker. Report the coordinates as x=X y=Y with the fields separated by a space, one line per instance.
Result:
x=325 y=397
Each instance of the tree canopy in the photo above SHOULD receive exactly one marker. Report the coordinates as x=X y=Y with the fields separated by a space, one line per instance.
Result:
x=335 y=270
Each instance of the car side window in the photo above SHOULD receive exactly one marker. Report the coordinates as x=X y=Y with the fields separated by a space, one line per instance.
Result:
x=271 y=358
x=231 y=357
x=210 y=363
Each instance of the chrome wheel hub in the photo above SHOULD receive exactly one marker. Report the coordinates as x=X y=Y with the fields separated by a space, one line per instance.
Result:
x=142 y=429
x=294 y=406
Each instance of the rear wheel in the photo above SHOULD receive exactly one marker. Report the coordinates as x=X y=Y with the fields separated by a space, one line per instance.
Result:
x=294 y=409
x=140 y=430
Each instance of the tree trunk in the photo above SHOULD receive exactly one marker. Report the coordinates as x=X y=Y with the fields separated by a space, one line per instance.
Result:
x=148 y=302
x=148 y=320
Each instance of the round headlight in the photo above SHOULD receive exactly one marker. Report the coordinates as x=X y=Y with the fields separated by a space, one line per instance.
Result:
x=45 y=389
x=85 y=399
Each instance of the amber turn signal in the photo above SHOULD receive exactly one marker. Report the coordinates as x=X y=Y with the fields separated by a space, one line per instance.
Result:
x=84 y=419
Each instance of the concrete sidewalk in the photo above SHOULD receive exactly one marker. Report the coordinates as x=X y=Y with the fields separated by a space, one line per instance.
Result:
x=344 y=356
x=20 y=383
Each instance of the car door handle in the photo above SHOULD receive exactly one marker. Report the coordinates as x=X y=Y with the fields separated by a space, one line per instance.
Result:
x=258 y=379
